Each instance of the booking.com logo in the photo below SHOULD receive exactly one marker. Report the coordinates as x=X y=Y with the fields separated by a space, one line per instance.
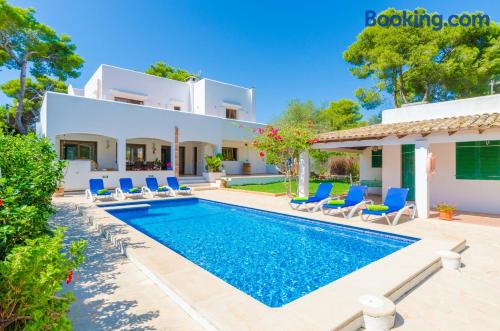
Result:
x=419 y=20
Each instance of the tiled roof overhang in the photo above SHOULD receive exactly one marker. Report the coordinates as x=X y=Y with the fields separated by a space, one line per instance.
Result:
x=451 y=125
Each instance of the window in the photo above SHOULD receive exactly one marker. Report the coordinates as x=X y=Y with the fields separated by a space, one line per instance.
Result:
x=177 y=107
x=478 y=160
x=135 y=102
x=231 y=113
x=376 y=158
x=78 y=150
x=229 y=154
x=136 y=153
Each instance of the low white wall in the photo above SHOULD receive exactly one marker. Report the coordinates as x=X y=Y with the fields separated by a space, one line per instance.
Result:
x=233 y=167
x=391 y=167
x=78 y=173
x=467 y=195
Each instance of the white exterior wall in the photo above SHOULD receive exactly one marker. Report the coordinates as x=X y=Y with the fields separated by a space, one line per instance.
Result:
x=91 y=89
x=471 y=106
x=365 y=166
x=245 y=154
x=199 y=97
x=63 y=114
x=154 y=91
x=206 y=96
x=219 y=96
x=367 y=172
x=467 y=195
x=391 y=168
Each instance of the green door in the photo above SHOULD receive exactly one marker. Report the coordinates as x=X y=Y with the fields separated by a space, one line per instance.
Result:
x=408 y=169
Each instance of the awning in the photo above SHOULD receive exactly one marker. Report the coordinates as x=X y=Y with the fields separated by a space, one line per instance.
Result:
x=450 y=125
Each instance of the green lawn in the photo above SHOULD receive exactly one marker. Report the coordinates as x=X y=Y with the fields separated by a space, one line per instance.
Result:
x=279 y=187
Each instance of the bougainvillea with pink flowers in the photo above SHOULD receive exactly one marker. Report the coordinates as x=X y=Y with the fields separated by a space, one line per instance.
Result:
x=282 y=147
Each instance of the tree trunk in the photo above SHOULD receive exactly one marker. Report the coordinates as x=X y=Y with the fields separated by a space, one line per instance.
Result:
x=394 y=88
x=426 y=93
x=402 y=86
x=20 y=100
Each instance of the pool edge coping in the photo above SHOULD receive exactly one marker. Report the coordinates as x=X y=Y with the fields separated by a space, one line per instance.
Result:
x=352 y=321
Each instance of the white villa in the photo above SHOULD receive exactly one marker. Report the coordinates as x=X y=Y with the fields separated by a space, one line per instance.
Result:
x=443 y=152
x=125 y=123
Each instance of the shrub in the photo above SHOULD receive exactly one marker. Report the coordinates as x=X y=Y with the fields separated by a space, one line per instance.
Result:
x=33 y=264
x=30 y=277
x=344 y=165
x=30 y=175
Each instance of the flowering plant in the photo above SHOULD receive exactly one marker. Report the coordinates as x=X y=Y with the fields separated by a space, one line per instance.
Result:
x=282 y=147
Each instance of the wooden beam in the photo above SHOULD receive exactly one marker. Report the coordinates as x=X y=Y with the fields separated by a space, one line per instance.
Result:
x=425 y=134
x=451 y=133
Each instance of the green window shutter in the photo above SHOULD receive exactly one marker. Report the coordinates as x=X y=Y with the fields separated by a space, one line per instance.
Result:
x=478 y=160
x=377 y=158
x=489 y=158
x=466 y=156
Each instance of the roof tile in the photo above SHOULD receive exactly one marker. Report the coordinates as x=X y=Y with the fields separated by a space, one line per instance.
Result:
x=379 y=131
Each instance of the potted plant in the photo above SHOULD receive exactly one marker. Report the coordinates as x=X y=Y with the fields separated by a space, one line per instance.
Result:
x=445 y=211
x=213 y=166
x=59 y=191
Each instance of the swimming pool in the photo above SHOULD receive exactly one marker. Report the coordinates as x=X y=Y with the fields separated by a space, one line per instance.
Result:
x=274 y=258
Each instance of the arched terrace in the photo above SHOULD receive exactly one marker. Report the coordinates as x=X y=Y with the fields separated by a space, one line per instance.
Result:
x=148 y=154
x=88 y=155
x=192 y=157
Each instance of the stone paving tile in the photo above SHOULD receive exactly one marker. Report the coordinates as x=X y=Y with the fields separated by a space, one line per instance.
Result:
x=448 y=300
x=112 y=293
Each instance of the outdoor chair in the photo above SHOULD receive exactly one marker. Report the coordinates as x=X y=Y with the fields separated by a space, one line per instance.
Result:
x=152 y=188
x=353 y=201
x=96 y=190
x=174 y=184
x=395 y=202
x=322 y=194
x=127 y=189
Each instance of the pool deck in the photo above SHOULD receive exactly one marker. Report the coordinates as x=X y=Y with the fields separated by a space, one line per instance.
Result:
x=463 y=300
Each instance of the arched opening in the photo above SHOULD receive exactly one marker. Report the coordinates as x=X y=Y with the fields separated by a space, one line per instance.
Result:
x=192 y=157
x=88 y=151
x=148 y=154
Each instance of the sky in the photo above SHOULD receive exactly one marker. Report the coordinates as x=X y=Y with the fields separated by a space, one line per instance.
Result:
x=285 y=49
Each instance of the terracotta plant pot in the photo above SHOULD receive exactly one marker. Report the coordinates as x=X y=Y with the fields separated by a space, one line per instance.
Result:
x=59 y=192
x=446 y=215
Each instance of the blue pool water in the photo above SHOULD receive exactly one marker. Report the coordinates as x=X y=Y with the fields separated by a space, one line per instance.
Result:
x=272 y=257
